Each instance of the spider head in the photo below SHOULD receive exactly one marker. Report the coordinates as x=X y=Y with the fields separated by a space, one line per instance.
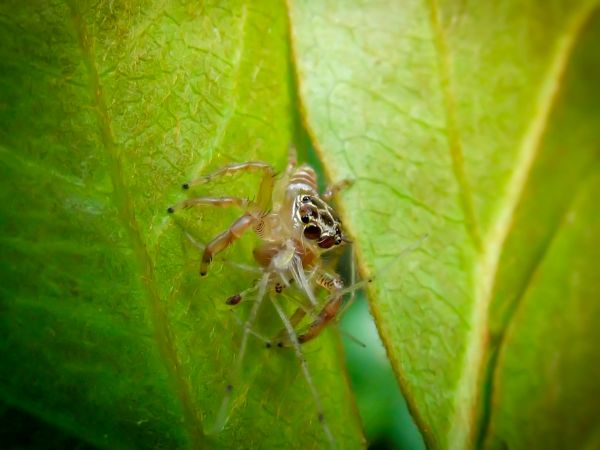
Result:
x=318 y=221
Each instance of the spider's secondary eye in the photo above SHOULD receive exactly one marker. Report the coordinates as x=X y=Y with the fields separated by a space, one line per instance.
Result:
x=312 y=232
x=308 y=211
x=306 y=199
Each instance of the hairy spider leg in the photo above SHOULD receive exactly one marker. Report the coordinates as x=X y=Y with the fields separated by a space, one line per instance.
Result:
x=304 y=366
x=223 y=413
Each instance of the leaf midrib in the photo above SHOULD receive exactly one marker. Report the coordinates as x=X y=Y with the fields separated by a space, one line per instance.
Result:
x=124 y=206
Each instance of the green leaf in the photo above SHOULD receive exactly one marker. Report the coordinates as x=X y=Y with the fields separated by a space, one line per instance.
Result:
x=107 y=332
x=476 y=124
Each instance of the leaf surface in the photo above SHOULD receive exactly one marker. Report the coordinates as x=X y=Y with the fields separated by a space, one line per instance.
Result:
x=476 y=124
x=106 y=330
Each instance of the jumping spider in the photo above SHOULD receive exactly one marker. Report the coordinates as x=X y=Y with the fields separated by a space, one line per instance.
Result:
x=296 y=227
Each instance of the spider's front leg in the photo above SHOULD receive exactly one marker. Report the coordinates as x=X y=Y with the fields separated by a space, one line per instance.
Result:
x=225 y=239
x=334 y=285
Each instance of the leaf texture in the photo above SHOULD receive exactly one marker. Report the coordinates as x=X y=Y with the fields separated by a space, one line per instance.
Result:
x=474 y=124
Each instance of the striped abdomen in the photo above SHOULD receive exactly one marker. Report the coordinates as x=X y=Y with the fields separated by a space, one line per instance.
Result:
x=304 y=179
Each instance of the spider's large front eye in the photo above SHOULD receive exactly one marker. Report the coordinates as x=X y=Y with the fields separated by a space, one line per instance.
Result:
x=312 y=232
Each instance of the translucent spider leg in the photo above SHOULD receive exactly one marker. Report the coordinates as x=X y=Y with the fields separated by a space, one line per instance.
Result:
x=253 y=332
x=332 y=309
x=244 y=267
x=225 y=239
x=303 y=283
x=266 y=185
x=353 y=283
x=301 y=312
x=332 y=190
x=304 y=366
x=297 y=270
x=245 y=222
x=223 y=413
x=219 y=202
x=292 y=159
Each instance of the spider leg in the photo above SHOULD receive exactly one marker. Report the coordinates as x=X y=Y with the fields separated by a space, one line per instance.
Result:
x=244 y=267
x=334 y=285
x=222 y=415
x=299 y=314
x=252 y=332
x=304 y=366
x=295 y=319
x=266 y=185
x=219 y=202
x=236 y=299
x=292 y=160
x=353 y=284
x=332 y=190
x=225 y=239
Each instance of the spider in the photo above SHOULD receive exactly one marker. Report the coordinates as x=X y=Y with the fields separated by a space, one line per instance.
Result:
x=296 y=226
